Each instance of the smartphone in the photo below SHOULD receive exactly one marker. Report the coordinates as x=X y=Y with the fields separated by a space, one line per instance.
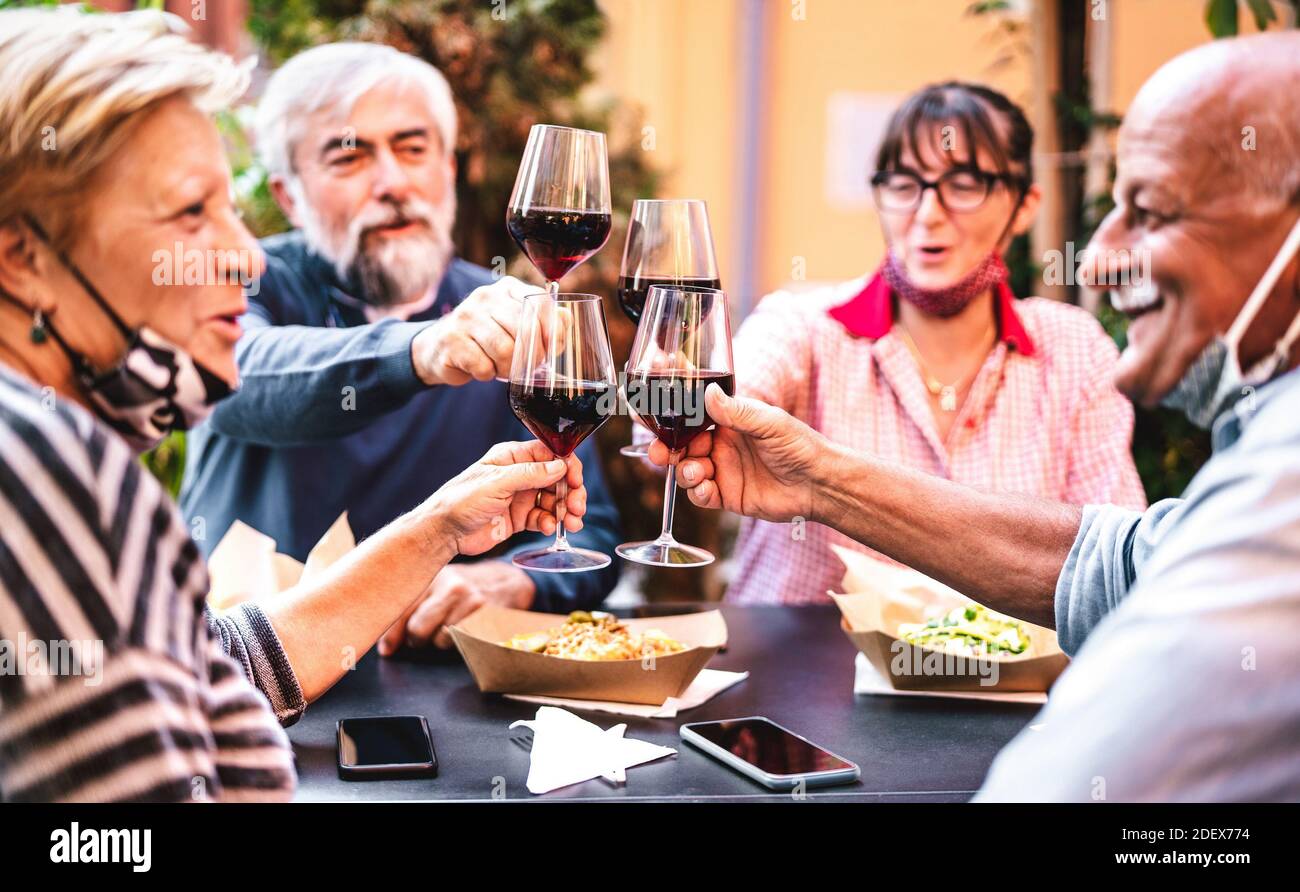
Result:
x=774 y=756
x=384 y=747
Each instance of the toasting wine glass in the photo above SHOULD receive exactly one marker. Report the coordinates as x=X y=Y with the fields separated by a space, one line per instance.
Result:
x=562 y=387
x=682 y=345
x=559 y=212
x=668 y=243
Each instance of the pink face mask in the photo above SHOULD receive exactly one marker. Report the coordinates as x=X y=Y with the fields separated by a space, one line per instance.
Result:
x=945 y=301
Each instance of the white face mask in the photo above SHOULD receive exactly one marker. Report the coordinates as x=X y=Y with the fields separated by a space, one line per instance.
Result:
x=1215 y=381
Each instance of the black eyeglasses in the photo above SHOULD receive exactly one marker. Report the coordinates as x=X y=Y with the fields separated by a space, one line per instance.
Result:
x=960 y=190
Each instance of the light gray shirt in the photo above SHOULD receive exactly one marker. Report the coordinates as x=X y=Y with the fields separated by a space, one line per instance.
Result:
x=1185 y=619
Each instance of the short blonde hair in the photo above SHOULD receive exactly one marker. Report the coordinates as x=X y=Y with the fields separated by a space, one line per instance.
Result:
x=74 y=86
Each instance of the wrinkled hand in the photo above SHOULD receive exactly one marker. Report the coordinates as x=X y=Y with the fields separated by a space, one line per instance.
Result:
x=456 y=592
x=759 y=461
x=475 y=341
x=497 y=496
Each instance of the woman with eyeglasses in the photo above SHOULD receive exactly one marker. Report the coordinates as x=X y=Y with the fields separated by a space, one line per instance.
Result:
x=930 y=361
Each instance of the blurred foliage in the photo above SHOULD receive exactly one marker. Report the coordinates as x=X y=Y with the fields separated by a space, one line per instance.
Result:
x=167 y=461
x=1222 y=16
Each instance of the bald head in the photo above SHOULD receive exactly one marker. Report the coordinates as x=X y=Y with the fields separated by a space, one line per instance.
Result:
x=1230 y=106
x=1207 y=187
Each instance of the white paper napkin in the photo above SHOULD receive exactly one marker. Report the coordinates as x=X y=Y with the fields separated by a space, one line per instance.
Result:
x=866 y=680
x=707 y=685
x=569 y=750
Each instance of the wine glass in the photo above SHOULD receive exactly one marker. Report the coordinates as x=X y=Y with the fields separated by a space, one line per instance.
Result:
x=562 y=387
x=682 y=345
x=559 y=211
x=668 y=243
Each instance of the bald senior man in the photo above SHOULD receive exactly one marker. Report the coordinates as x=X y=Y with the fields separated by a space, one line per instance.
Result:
x=1185 y=682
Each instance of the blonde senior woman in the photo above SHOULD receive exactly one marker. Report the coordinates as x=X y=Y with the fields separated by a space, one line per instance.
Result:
x=112 y=179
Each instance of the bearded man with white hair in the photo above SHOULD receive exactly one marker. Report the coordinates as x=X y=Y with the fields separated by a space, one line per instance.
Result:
x=371 y=356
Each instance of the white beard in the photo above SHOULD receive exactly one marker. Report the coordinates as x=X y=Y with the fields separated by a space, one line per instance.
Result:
x=392 y=270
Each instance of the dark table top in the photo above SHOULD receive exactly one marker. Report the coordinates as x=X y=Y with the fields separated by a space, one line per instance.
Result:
x=800 y=668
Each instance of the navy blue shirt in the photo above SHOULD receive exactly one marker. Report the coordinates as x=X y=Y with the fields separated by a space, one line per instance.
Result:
x=331 y=417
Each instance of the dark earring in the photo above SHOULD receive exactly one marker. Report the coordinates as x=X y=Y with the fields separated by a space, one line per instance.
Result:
x=39 y=332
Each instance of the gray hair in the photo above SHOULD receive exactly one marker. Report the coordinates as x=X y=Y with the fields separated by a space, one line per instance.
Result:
x=335 y=76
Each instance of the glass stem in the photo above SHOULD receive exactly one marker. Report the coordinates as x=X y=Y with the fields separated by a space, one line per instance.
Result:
x=670 y=499
x=561 y=495
x=562 y=487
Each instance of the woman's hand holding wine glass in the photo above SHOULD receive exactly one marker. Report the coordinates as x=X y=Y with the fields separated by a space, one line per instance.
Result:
x=562 y=387
x=510 y=489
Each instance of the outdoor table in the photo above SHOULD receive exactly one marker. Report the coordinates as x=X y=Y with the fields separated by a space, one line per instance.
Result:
x=800 y=668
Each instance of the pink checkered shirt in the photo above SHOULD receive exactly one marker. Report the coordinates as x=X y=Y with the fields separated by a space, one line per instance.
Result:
x=1041 y=417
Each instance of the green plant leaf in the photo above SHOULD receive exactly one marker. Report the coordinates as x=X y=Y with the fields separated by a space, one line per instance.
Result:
x=1263 y=12
x=982 y=7
x=1221 y=17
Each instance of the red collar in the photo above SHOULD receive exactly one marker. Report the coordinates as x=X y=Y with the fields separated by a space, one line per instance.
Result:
x=870 y=314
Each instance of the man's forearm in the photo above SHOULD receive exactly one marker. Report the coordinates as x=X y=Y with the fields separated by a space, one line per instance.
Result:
x=1005 y=551
x=301 y=384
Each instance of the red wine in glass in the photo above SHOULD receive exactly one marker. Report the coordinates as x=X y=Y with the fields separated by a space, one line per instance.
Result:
x=562 y=387
x=673 y=402
x=562 y=415
x=668 y=243
x=558 y=240
x=632 y=290
x=682 y=345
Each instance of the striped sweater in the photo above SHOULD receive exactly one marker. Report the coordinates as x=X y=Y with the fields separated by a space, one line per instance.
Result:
x=115 y=681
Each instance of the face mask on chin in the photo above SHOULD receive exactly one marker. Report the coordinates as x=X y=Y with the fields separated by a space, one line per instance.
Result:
x=949 y=301
x=1215 y=381
x=156 y=388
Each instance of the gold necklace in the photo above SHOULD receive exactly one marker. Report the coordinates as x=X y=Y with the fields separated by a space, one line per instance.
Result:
x=947 y=393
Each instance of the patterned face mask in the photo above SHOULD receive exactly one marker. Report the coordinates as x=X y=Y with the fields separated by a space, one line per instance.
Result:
x=949 y=301
x=155 y=388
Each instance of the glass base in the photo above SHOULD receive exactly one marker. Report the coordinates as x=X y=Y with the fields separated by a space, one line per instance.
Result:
x=556 y=560
x=636 y=450
x=664 y=554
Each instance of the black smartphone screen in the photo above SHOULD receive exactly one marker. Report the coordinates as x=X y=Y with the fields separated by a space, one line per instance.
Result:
x=768 y=746
x=388 y=741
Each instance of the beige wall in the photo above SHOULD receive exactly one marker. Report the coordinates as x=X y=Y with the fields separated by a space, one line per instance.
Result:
x=680 y=60
x=1147 y=33
x=677 y=61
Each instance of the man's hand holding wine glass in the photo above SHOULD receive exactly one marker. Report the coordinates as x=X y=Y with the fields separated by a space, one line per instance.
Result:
x=758 y=462
x=475 y=341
